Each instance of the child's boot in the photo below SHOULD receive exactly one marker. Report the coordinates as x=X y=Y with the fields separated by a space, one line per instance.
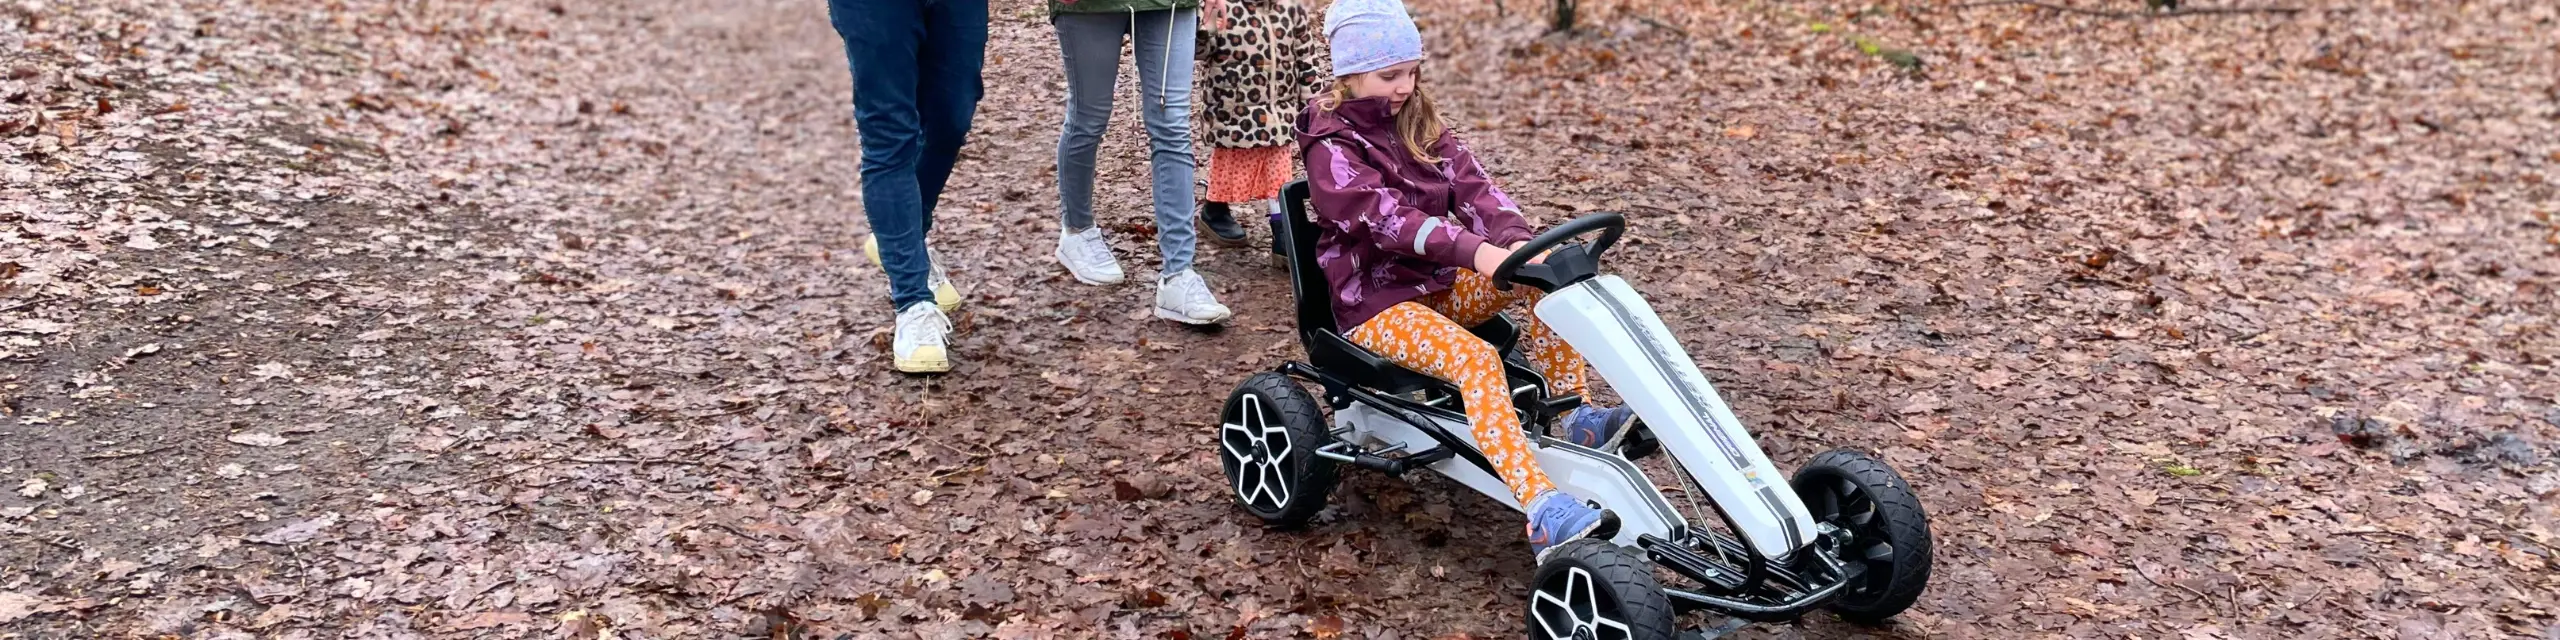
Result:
x=1222 y=224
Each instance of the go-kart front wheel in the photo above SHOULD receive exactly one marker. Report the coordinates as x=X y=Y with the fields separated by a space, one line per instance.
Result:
x=1590 y=590
x=1887 y=531
x=1267 y=440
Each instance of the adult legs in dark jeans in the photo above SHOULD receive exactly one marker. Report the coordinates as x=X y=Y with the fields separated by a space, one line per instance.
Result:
x=916 y=83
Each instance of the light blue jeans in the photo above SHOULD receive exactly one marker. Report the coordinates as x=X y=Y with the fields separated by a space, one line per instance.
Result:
x=1090 y=43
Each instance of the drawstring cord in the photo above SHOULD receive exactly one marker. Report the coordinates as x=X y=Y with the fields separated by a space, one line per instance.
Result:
x=1164 y=69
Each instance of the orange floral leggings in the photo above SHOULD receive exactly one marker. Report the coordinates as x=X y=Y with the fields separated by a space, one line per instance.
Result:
x=1429 y=335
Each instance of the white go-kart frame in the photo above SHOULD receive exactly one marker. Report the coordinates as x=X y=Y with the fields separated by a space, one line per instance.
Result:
x=1845 y=531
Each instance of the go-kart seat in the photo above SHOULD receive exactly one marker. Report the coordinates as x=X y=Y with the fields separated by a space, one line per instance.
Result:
x=1327 y=349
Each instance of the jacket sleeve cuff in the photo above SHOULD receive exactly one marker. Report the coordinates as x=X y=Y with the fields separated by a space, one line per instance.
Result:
x=1459 y=251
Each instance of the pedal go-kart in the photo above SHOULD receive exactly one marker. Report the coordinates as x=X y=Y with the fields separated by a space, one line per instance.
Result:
x=1845 y=532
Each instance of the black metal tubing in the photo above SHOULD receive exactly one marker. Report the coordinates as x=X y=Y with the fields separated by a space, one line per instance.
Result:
x=1716 y=576
x=1798 y=605
x=1398 y=466
x=1681 y=560
x=1728 y=545
x=1756 y=570
x=1336 y=389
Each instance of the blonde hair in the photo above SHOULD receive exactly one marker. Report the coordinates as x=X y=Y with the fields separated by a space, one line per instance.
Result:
x=1418 y=124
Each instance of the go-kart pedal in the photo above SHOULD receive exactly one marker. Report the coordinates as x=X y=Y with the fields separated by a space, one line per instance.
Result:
x=1844 y=532
x=1380 y=462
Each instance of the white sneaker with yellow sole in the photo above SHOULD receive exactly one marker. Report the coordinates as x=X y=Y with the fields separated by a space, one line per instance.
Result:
x=918 y=345
x=945 y=294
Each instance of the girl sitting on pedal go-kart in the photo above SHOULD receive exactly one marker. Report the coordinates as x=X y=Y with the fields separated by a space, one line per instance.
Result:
x=1411 y=225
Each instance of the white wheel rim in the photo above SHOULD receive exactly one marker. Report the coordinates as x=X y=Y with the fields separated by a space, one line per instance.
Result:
x=1258 y=473
x=1569 y=609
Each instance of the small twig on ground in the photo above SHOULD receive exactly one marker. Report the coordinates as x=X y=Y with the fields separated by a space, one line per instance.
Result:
x=616 y=460
x=544 y=463
x=983 y=451
x=114 y=455
x=2315 y=596
x=2146 y=577
x=946 y=474
x=2120 y=15
x=724 y=412
x=15 y=307
x=2366 y=530
x=660 y=369
x=536 y=465
x=1658 y=24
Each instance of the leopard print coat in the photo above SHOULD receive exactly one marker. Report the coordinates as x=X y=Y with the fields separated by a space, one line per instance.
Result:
x=1264 y=59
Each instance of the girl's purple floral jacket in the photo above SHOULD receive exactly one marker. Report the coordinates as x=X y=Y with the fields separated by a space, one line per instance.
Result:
x=1395 y=229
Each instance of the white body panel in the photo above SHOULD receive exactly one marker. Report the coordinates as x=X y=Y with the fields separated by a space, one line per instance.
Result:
x=1614 y=483
x=1375 y=430
x=1617 y=331
x=1581 y=472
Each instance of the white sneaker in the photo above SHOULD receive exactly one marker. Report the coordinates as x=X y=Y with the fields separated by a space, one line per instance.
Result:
x=918 y=345
x=945 y=294
x=1089 y=257
x=1185 y=298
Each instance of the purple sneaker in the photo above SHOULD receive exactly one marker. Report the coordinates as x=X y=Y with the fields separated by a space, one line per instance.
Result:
x=1597 y=428
x=1556 y=518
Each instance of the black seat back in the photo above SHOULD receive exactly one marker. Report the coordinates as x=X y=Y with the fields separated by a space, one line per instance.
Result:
x=1315 y=294
x=1327 y=349
x=1306 y=278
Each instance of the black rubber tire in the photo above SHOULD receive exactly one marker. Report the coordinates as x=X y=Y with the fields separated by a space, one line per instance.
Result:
x=1894 y=582
x=1622 y=587
x=1307 y=478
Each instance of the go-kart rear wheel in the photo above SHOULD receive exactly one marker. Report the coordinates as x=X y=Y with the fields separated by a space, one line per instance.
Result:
x=1888 y=531
x=1591 y=590
x=1267 y=440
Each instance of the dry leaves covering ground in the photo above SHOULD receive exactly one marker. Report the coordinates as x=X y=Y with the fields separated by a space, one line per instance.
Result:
x=454 y=319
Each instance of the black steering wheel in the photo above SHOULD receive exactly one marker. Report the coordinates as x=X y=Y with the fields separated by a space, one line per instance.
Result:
x=1566 y=266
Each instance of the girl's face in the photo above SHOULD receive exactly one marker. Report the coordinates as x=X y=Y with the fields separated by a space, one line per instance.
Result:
x=1396 y=83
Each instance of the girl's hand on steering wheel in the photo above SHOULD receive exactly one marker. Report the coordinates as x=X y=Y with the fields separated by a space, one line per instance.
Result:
x=1542 y=255
x=1489 y=256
